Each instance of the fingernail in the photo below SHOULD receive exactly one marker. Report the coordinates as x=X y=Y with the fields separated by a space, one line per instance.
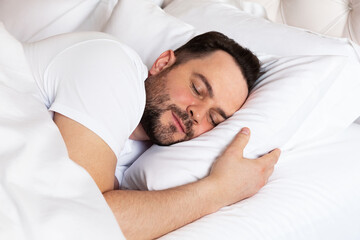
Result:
x=245 y=131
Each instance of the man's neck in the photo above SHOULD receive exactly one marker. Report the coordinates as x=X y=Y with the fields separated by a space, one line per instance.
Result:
x=139 y=134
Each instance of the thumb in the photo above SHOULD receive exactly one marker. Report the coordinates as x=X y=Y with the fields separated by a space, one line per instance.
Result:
x=240 y=141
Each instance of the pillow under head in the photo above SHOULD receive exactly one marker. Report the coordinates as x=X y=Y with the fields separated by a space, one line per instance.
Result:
x=298 y=101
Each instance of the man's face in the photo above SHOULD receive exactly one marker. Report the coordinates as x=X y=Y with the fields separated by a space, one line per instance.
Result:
x=192 y=98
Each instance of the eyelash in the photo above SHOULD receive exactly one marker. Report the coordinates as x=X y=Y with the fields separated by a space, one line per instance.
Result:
x=194 y=89
x=212 y=122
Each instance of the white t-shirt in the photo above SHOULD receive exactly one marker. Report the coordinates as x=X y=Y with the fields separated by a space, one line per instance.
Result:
x=93 y=79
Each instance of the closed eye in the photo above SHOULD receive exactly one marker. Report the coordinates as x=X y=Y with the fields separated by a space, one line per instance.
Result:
x=196 y=91
x=214 y=119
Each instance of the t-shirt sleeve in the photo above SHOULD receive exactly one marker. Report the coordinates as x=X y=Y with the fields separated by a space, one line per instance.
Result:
x=100 y=84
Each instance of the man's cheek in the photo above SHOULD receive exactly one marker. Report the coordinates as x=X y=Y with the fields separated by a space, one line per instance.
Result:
x=181 y=98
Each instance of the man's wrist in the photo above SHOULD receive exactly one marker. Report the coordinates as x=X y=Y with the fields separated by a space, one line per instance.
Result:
x=211 y=194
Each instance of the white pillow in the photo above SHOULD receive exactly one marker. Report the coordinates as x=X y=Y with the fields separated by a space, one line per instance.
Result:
x=146 y=28
x=150 y=31
x=258 y=34
x=32 y=20
x=158 y=2
x=285 y=108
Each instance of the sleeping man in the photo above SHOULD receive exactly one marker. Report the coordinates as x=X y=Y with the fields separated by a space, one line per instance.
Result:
x=94 y=87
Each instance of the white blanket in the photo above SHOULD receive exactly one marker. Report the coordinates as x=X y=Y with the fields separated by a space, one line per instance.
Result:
x=43 y=194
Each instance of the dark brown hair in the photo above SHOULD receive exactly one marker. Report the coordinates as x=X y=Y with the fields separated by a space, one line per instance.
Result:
x=207 y=43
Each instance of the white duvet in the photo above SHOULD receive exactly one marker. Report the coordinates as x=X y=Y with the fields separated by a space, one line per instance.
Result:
x=43 y=194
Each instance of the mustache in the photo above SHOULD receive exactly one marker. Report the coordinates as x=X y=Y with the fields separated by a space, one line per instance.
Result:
x=184 y=117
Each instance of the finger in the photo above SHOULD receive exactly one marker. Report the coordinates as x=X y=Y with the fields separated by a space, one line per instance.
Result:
x=240 y=140
x=272 y=157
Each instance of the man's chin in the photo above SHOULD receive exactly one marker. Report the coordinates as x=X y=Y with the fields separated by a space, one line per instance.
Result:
x=165 y=136
x=166 y=142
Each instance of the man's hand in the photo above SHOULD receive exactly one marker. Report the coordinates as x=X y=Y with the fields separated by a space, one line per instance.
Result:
x=237 y=177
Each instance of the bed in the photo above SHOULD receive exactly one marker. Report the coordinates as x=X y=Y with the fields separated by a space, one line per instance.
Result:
x=313 y=192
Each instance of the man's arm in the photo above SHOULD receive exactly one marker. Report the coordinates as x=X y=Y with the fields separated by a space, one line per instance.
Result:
x=150 y=214
x=89 y=151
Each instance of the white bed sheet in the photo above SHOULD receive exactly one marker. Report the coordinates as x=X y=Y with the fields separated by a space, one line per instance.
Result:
x=313 y=194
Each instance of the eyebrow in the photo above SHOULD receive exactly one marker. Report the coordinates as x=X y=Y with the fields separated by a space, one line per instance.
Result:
x=210 y=91
x=206 y=82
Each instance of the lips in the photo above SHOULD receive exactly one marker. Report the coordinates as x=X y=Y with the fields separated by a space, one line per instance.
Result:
x=178 y=123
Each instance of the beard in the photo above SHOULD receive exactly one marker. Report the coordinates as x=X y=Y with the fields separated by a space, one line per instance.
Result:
x=157 y=103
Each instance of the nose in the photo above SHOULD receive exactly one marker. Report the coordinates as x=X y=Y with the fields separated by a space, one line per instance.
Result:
x=196 y=113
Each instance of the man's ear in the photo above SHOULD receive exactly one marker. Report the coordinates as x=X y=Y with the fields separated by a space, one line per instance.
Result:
x=165 y=60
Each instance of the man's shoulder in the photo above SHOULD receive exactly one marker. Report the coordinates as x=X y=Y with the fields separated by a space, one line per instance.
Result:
x=105 y=49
